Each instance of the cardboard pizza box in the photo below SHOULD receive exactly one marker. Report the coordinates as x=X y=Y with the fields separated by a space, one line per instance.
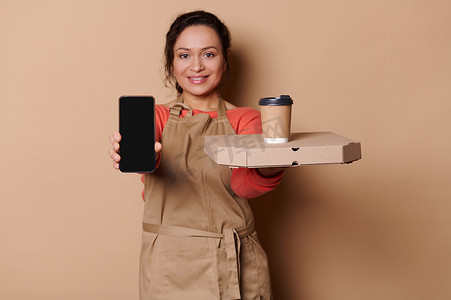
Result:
x=305 y=148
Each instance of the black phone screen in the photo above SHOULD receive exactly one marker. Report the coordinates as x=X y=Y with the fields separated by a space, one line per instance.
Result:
x=137 y=128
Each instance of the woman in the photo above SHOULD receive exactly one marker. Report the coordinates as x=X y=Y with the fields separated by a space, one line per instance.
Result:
x=199 y=240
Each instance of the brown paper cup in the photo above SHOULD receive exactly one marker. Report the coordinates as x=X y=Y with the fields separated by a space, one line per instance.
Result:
x=276 y=118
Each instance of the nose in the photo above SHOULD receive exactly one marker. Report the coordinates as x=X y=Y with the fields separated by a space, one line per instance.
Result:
x=197 y=64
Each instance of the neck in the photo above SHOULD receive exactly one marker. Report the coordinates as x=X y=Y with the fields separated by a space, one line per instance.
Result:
x=206 y=103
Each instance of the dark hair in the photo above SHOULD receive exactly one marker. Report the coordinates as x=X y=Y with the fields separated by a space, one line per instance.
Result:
x=191 y=19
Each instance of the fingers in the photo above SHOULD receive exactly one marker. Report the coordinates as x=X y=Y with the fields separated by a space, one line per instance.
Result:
x=116 y=158
x=115 y=138
x=114 y=155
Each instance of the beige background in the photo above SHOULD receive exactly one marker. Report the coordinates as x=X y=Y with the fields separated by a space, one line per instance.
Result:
x=376 y=71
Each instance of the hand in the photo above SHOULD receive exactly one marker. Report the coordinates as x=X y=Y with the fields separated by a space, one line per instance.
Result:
x=115 y=138
x=270 y=172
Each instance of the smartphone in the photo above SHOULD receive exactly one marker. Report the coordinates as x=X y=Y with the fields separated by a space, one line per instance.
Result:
x=137 y=128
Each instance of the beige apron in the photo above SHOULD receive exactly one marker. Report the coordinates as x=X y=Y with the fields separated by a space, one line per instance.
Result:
x=199 y=240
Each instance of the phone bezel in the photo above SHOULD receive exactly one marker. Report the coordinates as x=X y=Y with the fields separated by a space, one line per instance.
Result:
x=149 y=168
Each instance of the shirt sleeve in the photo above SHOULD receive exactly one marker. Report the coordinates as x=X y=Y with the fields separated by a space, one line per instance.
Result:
x=161 y=118
x=248 y=183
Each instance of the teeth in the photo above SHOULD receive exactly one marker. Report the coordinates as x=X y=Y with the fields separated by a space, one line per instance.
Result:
x=197 y=78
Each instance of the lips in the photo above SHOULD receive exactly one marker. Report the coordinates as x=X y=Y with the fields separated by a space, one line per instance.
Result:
x=198 y=79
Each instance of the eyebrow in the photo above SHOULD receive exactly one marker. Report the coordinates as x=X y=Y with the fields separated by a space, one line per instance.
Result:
x=203 y=49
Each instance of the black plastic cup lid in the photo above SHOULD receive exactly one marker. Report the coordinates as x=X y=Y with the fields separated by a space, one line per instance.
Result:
x=282 y=100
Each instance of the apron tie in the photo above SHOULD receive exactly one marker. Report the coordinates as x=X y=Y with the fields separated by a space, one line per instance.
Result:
x=232 y=248
x=232 y=239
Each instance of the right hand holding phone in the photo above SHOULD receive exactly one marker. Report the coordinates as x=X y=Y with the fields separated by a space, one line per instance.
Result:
x=115 y=139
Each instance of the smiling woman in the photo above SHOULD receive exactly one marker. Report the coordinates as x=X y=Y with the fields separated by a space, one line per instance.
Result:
x=199 y=240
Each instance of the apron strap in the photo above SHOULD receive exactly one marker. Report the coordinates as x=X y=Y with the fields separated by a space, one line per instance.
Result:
x=222 y=111
x=232 y=238
x=178 y=106
x=176 y=109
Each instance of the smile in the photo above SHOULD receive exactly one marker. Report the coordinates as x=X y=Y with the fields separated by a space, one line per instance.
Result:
x=198 y=79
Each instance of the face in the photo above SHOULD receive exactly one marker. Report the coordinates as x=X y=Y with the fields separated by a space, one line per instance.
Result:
x=198 y=61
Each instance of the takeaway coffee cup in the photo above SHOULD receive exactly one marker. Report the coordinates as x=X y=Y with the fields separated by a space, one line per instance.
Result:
x=276 y=118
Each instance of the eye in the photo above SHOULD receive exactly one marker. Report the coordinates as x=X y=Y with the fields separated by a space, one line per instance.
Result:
x=184 y=55
x=209 y=54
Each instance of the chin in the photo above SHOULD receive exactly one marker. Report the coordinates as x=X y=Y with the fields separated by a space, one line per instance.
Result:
x=199 y=93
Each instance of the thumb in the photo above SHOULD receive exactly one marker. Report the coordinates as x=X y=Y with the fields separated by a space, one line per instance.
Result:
x=158 y=147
